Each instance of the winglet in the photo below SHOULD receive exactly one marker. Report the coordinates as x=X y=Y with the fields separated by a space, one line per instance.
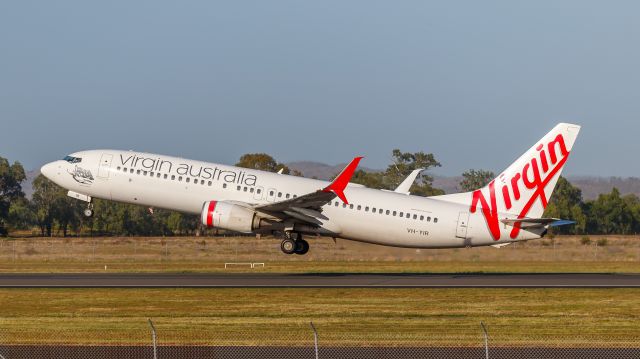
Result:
x=340 y=183
x=406 y=184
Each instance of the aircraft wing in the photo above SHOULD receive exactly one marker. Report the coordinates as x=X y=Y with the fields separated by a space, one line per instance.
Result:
x=308 y=207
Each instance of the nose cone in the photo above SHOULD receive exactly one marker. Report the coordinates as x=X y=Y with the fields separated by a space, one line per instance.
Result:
x=49 y=170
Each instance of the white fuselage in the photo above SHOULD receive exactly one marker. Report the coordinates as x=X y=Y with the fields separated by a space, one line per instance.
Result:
x=373 y=216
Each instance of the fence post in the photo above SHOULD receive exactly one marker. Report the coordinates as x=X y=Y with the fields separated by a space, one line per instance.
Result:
x=154 y=339
x=315 y=338
x=486 y=340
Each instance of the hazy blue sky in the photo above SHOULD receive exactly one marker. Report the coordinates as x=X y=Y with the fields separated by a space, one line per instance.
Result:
x=475 y=82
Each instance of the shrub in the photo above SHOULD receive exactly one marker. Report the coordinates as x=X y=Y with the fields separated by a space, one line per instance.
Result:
x=602 y=242
x=585 y=241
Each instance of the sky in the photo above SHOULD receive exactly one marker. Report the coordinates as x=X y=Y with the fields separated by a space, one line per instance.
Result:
x=474 y=82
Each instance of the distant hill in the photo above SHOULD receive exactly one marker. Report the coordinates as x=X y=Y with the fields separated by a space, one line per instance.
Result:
x=593 y=186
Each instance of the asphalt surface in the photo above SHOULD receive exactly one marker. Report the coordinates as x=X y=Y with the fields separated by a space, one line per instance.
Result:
x=328 y=280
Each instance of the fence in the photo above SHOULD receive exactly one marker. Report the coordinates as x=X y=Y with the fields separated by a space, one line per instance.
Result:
x=305 y=341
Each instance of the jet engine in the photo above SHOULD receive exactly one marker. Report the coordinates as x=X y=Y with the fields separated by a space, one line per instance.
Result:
x=230 y=216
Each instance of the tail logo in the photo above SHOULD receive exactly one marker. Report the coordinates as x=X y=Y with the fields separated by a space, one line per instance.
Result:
x=535 y=175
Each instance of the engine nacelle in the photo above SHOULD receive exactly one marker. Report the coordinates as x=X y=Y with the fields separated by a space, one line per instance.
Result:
x=230 y=216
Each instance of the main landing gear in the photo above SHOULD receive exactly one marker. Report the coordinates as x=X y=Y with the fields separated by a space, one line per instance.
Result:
x=291 y=246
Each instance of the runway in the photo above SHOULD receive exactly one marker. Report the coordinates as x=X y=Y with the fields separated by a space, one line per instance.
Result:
x=326 y=280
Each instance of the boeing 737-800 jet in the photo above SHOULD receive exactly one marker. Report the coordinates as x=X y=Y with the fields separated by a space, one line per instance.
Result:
x=508 y=209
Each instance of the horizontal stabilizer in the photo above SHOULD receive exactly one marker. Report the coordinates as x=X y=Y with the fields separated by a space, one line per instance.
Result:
x=562 y=222
x=536 y=222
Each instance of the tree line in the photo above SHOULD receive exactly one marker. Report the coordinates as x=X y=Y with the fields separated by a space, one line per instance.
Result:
x=51 y=212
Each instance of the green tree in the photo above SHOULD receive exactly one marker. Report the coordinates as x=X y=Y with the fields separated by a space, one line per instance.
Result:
x=46 y=199
x=610 y=214
x=11 y=177
x=264 y=162
x=475 y=179
x=566 y=203
x=403 y=164
x=21 y=214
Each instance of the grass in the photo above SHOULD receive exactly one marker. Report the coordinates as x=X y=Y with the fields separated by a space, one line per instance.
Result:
x=192 y=254
x=343 y=316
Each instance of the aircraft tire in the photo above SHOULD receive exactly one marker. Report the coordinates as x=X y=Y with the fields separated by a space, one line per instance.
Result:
x=302 y=247
x=288 y=246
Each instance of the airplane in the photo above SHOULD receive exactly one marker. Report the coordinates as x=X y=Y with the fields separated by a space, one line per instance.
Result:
x=507 y=210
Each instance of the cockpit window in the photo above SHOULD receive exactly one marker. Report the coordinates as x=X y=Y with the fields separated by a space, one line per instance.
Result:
x=72 y=159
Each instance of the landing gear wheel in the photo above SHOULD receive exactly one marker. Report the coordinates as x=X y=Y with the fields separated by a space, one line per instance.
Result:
x=288 y=246
x=88 y=212
x=302 y=247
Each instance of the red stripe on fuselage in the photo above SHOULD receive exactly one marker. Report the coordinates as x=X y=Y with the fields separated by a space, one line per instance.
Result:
x=212 y=207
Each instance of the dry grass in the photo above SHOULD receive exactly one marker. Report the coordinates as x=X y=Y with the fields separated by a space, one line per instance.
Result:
x=192 y=254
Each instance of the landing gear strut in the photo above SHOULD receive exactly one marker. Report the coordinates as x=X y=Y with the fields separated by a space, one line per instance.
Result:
x=291 y=246
x=88 y=212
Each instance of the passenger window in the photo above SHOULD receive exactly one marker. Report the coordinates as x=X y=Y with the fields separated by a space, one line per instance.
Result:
x=351 y=206
x=408 y=215
x=245 y=189
x=209 y=183
x=271 y=193
x=118 y=168
x=131 y=170
x=124 y=169
x=151 y=174
x=202 y=182
x=388 y=212
x=239 y=188
x=394 y=213
x=428 y=219
x=366 y=209
x=435 y=220
x=422 y=218
x=279 y=194
x=259 y=191
x=224 y=185
x=294 y=196
x=166 y=176
x=359 y=207
x=401 y=214
x=138 y=172
x=173 y=177
x=344 y=205
x=144 y=173
x=195 y=181
x=337 y=203
x=188 y=179
x=380 y=210
x=180 y=178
